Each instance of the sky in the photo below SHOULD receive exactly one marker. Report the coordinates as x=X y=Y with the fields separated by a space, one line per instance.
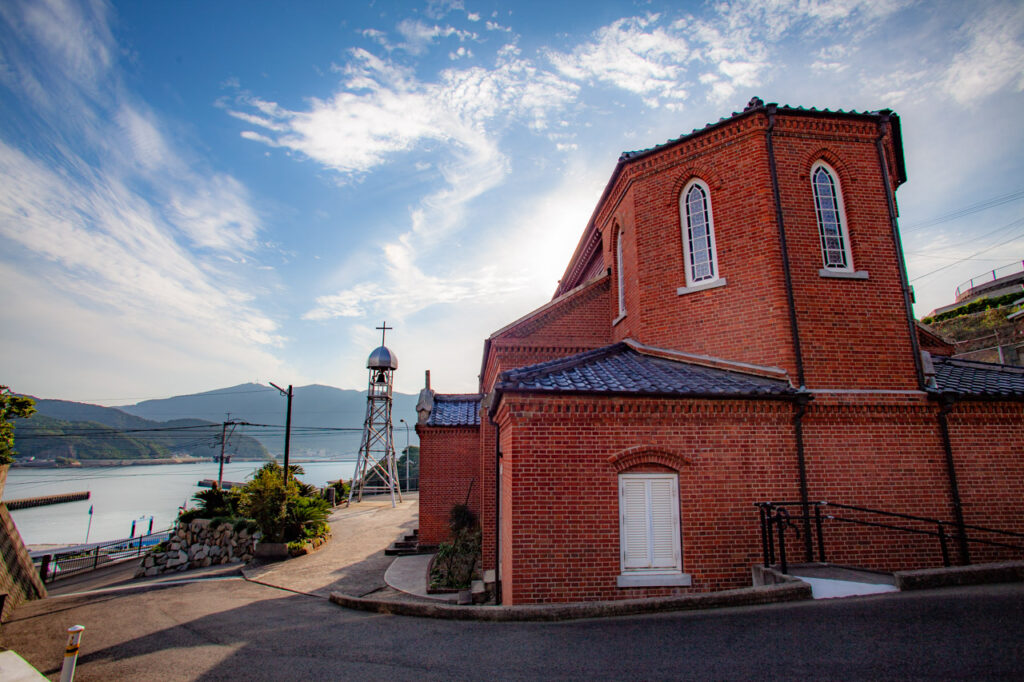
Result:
x=195 y=195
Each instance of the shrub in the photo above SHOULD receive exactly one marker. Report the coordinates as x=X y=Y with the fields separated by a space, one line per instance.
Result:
x=975 y=307
x=283 y=514
x=214 y=502
x=245 y=524
x=456 y=561
x=341 y=489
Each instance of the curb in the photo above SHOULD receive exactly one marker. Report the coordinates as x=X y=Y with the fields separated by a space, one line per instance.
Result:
x=745 y=596
x=980 y=574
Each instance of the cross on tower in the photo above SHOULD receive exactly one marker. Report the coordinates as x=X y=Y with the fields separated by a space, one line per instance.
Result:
x=383 y=330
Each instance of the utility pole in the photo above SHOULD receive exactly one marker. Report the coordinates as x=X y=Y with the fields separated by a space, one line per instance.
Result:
x=408 y=454
x=287 y=427
x=223 y=443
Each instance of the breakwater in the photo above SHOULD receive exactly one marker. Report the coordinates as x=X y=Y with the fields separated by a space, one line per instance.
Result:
x=43 y=500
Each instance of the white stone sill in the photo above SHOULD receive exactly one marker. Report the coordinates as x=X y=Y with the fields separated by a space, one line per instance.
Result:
x=693 y=288
x=655 y=580
x=843 y=274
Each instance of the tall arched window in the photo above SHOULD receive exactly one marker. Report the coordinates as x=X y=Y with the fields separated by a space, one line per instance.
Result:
x=828 y=206
x=698 y=234
x=621 y=280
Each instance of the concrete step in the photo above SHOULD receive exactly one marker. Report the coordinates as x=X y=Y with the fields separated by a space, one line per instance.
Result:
x=828 y=581
x=401 y=551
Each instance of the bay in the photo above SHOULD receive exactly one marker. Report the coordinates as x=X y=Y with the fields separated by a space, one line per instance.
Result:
x=120 y=495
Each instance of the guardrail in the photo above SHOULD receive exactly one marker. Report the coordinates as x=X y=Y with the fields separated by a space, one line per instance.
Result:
x=80 y=559
x=776 y=520
x=990 y=276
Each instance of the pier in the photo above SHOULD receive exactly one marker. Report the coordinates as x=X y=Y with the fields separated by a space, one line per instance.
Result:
x=27 y=502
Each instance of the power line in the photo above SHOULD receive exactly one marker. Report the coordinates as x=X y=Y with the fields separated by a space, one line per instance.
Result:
x=949 y=265
x=967 y=210
x=306 y=430
x=976 y=238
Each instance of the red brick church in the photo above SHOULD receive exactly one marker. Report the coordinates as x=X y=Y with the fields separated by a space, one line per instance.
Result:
x=733 y=328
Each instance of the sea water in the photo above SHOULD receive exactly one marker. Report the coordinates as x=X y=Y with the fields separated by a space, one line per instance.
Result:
x=120 y=495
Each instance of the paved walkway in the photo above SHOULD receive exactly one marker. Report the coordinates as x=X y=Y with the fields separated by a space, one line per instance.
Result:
x=353 y=561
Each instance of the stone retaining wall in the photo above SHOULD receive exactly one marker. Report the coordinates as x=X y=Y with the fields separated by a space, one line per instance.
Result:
x=194 y=545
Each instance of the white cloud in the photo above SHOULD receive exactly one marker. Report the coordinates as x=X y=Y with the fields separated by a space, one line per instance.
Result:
x=419 y=36
x=102 y=212
x=634 y=55
x=382 y=111
x=993 y=58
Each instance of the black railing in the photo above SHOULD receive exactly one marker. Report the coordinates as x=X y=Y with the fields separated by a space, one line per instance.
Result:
x=84 y=558
x=776 y=520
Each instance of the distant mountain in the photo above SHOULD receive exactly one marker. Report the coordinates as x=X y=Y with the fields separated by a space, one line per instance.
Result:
x=61 y=428
x=313 y=407
x=44 y=437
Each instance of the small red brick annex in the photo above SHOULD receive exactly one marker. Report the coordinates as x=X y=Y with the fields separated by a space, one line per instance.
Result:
x=734 y=327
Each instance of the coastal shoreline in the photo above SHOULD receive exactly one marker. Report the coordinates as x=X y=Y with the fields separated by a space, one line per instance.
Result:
x=96 y=463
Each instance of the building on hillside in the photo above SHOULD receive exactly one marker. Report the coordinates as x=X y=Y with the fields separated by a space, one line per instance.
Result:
x=734 y=327
x=986 y=323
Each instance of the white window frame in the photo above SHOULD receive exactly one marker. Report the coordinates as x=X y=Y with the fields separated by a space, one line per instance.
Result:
x=715 y=280
x=827 y=270
x=651 y=575
x=620 y=278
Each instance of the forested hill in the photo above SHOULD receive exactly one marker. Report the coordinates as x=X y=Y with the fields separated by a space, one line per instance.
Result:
x=316 y=410
x=71 y=430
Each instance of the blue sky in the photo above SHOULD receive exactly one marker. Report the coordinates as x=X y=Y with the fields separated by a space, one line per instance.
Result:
x=196 y=194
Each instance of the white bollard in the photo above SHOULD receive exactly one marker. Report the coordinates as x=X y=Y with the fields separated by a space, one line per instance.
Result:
x=67 y=673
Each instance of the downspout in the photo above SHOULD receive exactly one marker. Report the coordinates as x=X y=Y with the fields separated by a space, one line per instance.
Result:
x=497 y=506
x=883 y=124
x=798 y=428
x=803 y=399
x=946 y=403
x=771 y=109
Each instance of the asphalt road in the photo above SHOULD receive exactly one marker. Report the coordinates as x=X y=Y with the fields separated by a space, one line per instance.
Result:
x=229 y=629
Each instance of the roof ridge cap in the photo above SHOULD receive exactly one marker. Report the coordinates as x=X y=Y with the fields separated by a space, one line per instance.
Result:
x=708 y=361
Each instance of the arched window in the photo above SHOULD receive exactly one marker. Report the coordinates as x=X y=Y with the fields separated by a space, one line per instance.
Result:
x=618 y=272
x=698 y=234
x=828 y=206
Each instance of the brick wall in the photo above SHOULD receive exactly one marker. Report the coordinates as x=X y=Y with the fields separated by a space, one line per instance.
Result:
x=559 y=488
x=560 y=491
x=880 y=452
x=449 y=465
x=988 y=451
x=18 y=578
x=853 y=332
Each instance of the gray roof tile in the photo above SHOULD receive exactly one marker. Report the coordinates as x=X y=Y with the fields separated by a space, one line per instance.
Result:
x=621 y=369
x=983 y=379
x=455 y=410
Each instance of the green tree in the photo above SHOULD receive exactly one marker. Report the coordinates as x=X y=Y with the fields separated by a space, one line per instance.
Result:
x=283 y=514
x=11 y=406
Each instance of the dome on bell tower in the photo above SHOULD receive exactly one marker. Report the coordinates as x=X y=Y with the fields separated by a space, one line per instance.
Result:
x=382 y=358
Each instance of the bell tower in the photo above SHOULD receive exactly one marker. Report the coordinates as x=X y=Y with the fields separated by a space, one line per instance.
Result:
x=376 y=470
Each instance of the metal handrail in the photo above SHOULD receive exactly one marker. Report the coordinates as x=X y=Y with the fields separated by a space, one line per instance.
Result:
x=990 y=276
x=85 y=558
x=775 y=515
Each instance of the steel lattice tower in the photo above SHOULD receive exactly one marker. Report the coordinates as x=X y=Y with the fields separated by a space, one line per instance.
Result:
x=376 y=469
